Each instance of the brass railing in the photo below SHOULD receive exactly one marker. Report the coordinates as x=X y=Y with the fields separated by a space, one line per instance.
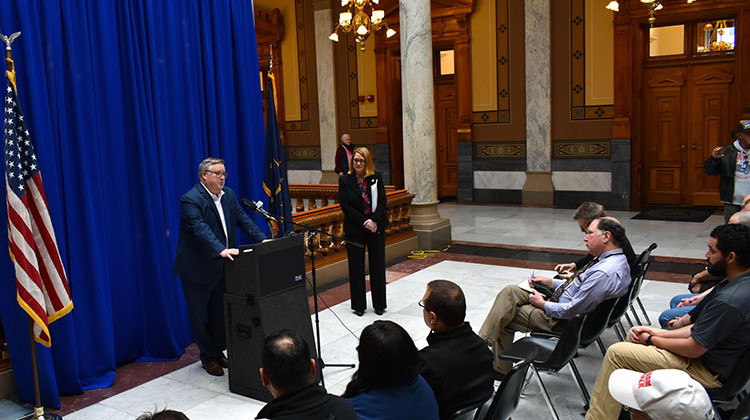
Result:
x=317 y=206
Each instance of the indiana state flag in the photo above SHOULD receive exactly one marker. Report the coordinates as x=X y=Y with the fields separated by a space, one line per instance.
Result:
x=275 y=182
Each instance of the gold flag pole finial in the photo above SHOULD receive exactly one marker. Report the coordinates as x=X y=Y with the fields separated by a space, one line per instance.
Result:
x=270 y=59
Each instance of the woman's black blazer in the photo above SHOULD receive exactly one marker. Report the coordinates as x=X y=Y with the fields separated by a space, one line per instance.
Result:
x=353 y=206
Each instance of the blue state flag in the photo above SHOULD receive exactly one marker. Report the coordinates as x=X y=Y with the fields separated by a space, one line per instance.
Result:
x=275 y=181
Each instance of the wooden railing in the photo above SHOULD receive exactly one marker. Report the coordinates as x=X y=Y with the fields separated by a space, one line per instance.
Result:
x=317 y=206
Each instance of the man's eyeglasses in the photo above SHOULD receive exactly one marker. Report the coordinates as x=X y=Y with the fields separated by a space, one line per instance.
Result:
x=219 y=173
x=420 y=303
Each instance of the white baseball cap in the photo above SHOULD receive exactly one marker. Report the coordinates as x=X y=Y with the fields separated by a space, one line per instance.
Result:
x=663 y=394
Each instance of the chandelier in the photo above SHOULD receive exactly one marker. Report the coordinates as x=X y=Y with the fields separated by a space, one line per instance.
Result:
x=652 y=5
x=354 y=19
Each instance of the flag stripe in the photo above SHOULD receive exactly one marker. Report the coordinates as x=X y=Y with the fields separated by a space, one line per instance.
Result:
x=46 y=241
x=42 y=287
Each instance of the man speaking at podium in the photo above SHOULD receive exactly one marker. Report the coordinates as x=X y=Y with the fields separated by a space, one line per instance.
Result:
x=209 y=217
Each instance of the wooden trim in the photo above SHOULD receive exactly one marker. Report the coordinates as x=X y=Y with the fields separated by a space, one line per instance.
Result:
x=630 y=42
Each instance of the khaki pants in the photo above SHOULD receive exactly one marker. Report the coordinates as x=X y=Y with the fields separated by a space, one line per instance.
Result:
x=640 y=358
x=512 y=312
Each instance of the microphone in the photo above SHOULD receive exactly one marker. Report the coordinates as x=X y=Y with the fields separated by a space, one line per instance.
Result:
x=257 y=206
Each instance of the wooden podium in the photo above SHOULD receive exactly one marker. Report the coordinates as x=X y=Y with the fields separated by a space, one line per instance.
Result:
x=265 y=292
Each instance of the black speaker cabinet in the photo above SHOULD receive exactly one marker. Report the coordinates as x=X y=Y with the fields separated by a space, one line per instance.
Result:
x=265 y=293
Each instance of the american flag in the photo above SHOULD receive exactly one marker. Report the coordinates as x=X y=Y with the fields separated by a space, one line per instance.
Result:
x=40 y=276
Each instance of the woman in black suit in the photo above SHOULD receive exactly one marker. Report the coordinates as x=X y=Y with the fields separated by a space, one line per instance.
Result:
x=363 y=201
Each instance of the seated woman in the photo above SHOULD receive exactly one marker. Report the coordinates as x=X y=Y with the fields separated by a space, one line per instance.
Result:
x=387 y=384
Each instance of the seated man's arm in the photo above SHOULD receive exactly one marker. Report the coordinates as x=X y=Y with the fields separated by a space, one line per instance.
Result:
x=590 y=293
x=679 y=341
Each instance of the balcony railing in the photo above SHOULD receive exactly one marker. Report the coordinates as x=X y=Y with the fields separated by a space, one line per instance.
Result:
x=317 y=206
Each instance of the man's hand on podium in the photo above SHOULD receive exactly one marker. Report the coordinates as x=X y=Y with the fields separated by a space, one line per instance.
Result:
x=227 y=253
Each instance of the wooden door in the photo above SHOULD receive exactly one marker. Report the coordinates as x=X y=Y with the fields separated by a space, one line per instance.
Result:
x=710 y=101
x=685 y=116
x=446 y=138
x=664 y=134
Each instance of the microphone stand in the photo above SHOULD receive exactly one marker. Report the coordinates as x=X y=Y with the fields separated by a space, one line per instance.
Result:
x=311 y=246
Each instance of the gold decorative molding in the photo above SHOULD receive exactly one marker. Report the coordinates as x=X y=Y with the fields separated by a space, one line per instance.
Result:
x=578 y=108
x=500 y=150
x=303 y=153
x=297 y=125
x=581 y=149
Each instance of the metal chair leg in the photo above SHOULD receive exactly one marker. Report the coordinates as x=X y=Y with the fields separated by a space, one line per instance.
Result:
x=635 y=315
x=545 y=394
x=601 y=345
x=622 y=334
x=645 y=315
x=579 y=381
x=627 y=317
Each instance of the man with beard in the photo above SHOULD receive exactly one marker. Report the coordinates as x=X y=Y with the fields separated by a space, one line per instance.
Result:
x=709 y=348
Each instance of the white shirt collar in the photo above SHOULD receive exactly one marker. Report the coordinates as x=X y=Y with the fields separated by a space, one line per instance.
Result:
x=214 y=196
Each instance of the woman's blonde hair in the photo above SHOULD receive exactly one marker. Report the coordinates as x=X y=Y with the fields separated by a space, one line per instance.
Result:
x=369 y=164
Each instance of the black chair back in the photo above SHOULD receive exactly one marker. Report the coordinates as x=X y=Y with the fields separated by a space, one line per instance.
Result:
x=508 y=394
x=597 y=321
x=566 y=347
x=637 y=274
x=639 y=269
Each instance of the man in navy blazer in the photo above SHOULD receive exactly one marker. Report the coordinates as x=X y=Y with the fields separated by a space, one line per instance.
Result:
x=209 y=217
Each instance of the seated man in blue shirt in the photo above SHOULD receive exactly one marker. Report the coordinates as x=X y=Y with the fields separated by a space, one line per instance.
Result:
x=606 y=276
x=710 y=348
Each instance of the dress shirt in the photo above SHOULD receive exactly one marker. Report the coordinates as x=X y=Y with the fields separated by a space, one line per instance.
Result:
x=608 y=278
x=217 y=203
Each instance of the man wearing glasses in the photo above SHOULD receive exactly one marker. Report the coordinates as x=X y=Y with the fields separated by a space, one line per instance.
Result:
x=209 y=217
x=606 y=276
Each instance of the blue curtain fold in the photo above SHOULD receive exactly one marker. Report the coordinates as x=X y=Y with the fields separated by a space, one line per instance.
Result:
x=123 y=99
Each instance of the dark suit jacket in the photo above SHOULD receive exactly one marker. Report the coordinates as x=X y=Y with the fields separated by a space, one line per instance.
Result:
x=202 y=236
x=353 y=206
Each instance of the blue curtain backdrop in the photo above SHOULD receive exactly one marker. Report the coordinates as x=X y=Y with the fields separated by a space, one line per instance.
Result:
x=123 y=99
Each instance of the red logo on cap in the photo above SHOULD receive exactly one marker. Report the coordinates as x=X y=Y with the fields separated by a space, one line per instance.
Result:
x=645 y=380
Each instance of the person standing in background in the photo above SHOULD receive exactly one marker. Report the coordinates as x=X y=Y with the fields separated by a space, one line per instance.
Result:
x=344 y=155
x=731 y=163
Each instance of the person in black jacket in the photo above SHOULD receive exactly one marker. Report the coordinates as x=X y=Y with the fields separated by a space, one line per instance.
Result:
x=457 y=364
x=362 y=199
x=730 y=162
x=289 y=374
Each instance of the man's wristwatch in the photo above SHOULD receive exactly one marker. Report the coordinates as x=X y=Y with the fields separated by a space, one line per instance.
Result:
x=648 y=340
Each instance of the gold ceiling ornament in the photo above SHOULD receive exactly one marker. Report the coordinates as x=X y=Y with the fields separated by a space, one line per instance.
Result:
x=355 y=19
x=652 y=5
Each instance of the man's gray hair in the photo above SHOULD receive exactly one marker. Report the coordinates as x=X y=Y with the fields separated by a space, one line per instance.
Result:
x=345 y=135
x=205 y=165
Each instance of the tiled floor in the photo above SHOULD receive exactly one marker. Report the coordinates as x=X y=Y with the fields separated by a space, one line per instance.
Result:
x=201 y=396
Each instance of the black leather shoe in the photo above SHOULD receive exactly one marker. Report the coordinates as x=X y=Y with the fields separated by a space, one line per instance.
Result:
x=223 y=361
x=379 y=311
x=359 y=313
x=213 y=368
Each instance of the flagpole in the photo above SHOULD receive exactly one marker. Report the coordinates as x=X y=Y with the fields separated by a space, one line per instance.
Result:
x=38 y=409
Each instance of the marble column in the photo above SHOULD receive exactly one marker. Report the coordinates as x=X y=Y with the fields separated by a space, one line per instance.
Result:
x=538 y=189
x=418 y=104
x=325 y=63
